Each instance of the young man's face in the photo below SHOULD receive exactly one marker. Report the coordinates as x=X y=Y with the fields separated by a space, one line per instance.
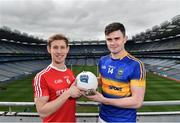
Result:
x=115 y=41
x=58 y=51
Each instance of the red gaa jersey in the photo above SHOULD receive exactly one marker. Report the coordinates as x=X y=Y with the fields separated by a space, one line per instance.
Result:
x=52 y=82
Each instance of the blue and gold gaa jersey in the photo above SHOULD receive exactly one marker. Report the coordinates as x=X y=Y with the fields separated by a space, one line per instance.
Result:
x=117 y=75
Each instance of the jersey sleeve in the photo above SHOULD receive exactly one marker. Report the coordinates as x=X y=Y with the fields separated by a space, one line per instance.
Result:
x=99 y=74
x=40 y=86
x=99 y=67
x=138 y=76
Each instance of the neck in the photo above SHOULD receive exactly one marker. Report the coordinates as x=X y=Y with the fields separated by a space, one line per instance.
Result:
x=60 y=66
x=119 y=55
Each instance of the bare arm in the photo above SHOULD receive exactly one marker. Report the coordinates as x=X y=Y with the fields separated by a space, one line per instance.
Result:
x=134 y=101
x=99 y=81
x=45 y=108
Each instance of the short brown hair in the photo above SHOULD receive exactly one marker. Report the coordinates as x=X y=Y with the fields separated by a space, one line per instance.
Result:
x=115 y=26
x=57 y=37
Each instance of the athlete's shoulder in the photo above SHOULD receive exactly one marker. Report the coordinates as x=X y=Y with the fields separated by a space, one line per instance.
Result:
x=105 y=57
x=137 y=64
x=44 y=71
x=133 y=59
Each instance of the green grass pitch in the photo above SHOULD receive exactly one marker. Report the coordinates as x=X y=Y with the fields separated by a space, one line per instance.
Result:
x=158 y=89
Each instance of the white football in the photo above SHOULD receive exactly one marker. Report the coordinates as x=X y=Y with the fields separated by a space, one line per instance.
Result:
x=87 y=80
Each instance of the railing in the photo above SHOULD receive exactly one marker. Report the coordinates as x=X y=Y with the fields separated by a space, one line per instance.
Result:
x=90 y=103
x=92 y=117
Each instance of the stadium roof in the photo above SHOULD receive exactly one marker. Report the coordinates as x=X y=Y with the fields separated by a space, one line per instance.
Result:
x=160 y=32
x=93 y=42
x=163 y=31
x=15 y=36
x=7 y=35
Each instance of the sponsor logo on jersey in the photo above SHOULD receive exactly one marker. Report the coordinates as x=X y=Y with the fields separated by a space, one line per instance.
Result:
x=115 y=88
x=58 y=81
x=59 y=92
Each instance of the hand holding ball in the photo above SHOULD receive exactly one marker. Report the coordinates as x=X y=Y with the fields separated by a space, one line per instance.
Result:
x=87 y=81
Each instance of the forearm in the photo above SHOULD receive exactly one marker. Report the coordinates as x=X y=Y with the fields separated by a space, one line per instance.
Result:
x=127 y=102
x=48 y=108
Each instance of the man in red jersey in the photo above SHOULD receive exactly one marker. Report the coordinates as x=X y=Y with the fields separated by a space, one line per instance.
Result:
x=54 y=89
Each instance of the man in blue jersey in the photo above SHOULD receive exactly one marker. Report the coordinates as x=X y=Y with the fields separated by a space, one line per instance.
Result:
x=122 y=78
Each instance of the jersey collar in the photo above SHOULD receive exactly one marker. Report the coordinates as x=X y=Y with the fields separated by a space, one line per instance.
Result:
x=62 y=70
x=121 y=56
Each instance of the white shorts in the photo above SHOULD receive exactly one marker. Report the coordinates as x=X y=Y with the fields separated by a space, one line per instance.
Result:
x=101 y=120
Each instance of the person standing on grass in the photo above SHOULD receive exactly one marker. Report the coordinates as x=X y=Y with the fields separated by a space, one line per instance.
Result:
x=54 y=90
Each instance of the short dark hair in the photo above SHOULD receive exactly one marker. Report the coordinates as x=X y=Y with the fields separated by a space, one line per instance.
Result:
x=115 y=26
x=58 y=37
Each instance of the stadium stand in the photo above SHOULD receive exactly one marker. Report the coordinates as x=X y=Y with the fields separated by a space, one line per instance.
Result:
x=20 y=55
x=158 y=48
